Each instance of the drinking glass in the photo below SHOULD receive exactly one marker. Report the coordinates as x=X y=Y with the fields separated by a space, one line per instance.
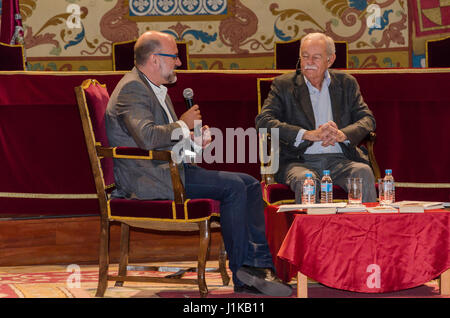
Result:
x=354 y=186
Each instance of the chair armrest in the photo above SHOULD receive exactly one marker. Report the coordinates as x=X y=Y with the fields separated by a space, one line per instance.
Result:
x=141 y=154
x=370 y=142
x=268 y=178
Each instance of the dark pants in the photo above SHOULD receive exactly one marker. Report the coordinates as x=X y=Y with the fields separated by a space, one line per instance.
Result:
x=241 y=214
x=340 y=168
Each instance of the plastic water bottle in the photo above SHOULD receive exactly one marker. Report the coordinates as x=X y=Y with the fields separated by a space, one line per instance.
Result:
x=326 y=188
x=309 y=190
x=389 y=187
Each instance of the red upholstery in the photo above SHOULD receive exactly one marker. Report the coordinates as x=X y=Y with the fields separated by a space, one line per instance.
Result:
x=165 y=210
x=97 y=98
x=286 y=55
x=438 y=53
x=11 y=57
x=123 y=55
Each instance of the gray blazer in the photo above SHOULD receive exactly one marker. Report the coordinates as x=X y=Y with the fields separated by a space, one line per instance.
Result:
x=135 y=118
x=288 y=107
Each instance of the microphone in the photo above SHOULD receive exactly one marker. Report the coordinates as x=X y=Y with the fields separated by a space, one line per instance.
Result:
x=297 y=68
x=188 y=95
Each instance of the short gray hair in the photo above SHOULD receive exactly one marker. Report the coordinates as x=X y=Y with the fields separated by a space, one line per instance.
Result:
x=331 y=49
x=143 y=49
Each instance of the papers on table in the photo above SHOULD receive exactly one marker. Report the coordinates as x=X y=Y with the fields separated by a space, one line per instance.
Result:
x=417 y=206
x=382 y=209
x=427 y=205
x=343 y=207
x=352 y=208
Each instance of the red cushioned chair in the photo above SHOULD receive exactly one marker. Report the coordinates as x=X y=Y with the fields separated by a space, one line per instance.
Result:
x=438 y=52
x=123 y=55
x=286 y=54
x=12 y=57
x=181 y=214
x=276 y=193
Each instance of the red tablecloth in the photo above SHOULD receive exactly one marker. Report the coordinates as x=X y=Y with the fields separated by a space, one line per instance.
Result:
x=362 y=252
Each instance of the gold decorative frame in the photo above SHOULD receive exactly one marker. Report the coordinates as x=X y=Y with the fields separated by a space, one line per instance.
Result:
x=426 y=47
x=21 y=48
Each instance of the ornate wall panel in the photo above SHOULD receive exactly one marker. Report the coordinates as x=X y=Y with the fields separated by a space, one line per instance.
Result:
x=233 y=34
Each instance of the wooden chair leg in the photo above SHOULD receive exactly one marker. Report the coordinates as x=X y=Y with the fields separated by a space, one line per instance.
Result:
x=223 y=263
x=205 y=242
x=124 y=249
x=103 y=258
x=302 y=286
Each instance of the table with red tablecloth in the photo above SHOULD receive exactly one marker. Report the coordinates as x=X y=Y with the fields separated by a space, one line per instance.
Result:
x=362 y=252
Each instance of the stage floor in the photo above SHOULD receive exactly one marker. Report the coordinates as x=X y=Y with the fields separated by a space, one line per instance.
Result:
x=60 y=281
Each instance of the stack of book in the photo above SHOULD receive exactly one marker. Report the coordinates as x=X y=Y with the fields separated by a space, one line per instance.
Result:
x=316 y=208
x=417 y=206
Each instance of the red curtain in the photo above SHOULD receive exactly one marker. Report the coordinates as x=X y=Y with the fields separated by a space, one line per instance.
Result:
x=11 y=31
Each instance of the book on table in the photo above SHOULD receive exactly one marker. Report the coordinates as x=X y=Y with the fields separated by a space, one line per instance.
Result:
x=352 y=208
x=313 y=208
x=382 y=209
x=417 y=206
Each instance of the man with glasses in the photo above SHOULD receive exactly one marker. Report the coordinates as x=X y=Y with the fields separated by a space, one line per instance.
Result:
x=140 y=114
x=321 y=117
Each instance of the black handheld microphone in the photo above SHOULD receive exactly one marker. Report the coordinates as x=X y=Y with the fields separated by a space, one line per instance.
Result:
x=297 y=68
x=188 y=95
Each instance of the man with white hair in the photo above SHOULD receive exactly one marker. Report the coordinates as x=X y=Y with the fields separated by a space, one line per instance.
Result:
x=321 y=117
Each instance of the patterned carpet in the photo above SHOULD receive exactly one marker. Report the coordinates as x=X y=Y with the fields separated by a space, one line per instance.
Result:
x=63 y=282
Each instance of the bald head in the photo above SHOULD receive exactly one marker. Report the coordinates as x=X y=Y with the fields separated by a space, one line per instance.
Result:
x=148 y=43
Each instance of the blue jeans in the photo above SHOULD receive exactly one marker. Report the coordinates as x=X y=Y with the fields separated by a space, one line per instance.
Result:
x=241 y=214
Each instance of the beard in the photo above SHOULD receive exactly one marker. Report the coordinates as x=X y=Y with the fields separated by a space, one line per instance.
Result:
x=169 y=76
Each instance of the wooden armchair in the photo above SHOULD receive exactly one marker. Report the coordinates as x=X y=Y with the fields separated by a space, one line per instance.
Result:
x=12 y=57
x=275 y=193
x=437 y=52
x=181 y=214
x=123 y=55
x=286 y=54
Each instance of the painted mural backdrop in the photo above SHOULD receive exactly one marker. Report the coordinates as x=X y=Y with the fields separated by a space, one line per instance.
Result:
x=234 y=34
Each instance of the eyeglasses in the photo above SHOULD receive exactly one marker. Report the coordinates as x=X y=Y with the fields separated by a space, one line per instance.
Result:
x=315 y=58
x=174 y=56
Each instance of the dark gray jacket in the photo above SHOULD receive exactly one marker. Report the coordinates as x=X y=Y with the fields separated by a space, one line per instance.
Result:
x=135 y=118
x=288 y=107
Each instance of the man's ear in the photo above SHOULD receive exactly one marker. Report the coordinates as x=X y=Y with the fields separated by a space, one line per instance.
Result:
x=331 y=59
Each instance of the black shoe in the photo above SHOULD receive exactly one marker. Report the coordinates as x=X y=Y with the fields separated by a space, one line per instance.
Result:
x=245 y=289
x=264 y=280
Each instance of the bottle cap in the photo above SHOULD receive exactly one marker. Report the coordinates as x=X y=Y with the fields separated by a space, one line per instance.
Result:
x=309 y=175
x=388 y=171
x=326 y=172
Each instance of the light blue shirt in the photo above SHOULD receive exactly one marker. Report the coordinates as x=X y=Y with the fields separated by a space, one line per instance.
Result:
x=321 y=104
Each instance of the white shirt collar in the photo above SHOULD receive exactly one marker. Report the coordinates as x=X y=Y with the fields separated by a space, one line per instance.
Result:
x=160 y=91
x=326 y=77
